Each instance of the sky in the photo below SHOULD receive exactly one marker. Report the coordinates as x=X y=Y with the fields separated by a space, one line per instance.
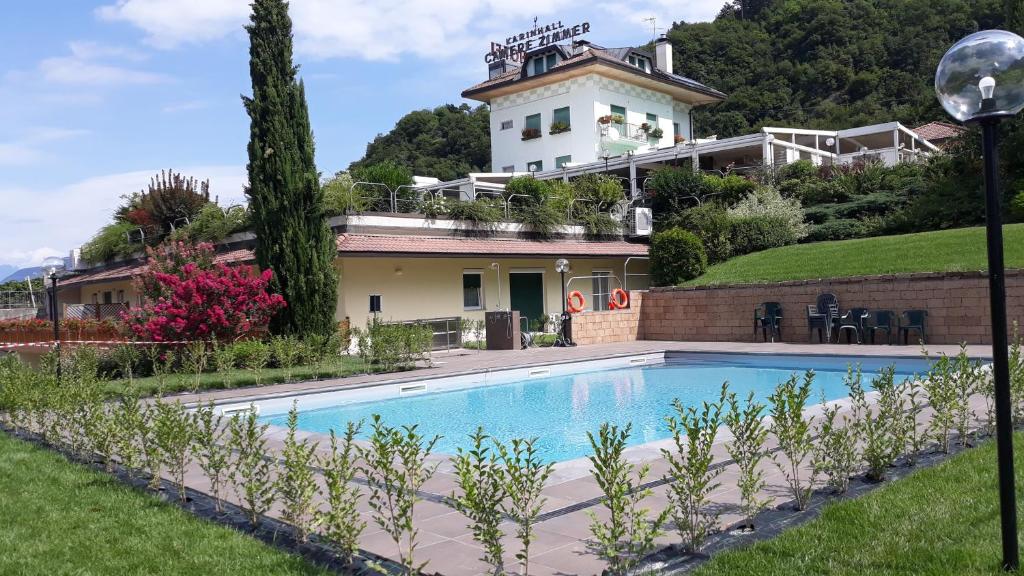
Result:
x=98 y=96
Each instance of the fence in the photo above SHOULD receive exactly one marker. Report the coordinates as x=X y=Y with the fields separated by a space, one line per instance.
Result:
x=95 y=311
x=447 y=333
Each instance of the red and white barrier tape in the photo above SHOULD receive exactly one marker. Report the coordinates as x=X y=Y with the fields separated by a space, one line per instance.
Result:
x=50 y=343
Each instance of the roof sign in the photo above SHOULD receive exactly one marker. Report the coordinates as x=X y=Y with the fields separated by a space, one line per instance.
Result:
x=517 y=45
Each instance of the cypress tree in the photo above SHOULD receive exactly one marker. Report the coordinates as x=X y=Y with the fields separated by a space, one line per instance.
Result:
x=292 y=236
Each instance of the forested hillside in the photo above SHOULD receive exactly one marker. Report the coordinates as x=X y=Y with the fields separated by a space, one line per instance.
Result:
x=809 y=63
x=447 y=142
x=827 y=63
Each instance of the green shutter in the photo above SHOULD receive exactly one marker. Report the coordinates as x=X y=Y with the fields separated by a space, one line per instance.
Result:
x=538 y=65
x=652 y=119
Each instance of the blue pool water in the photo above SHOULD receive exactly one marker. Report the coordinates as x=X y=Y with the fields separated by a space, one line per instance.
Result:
x=561 y=410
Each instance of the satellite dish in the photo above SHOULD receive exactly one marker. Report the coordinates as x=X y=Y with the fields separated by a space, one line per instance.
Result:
x=618 y=211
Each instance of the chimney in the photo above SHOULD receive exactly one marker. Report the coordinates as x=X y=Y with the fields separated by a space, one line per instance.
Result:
x=663 y=55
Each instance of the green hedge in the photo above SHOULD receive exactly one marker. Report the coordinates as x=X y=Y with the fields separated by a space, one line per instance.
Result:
x=676 y=256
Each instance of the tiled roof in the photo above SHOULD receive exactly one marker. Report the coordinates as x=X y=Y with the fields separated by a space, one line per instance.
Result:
x=611 y=55
x=360 y=244
x=938 y=131
x=129 y=270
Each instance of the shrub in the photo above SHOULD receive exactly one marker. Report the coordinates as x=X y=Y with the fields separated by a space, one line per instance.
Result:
x=525 y=476
x=710 y=222
x=296 y=485
x=341 y=520
x=879 y=428
x=541 y=218
x=482 y=483
x=840 y=229
x=481 y=212
x=212 y=452
x=536 y=190
x=766 y=201
x=835 y=453
x=755 y=233
x=395 y=467
x=1017 y=206
x=691 y=478
x=629 y=533
x=252 y=470
x=793 y=433
x=109 y=243
x=599 y=224
x=748 y=449
x=341 y=197
x=676 y=256
x=252 y=355
x=393 y=346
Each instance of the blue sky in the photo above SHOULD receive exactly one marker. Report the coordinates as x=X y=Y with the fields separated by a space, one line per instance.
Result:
x=96 y=96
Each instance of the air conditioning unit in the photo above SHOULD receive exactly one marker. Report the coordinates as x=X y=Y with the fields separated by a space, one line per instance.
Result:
x=643 y=222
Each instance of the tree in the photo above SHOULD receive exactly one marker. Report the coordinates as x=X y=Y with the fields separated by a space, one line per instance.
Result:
x=188 y=297
x=292 y=236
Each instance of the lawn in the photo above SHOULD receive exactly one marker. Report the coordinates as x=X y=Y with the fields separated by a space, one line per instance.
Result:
x=947 y=250
x=62 y=518
x=180 y=382
x=942 y=520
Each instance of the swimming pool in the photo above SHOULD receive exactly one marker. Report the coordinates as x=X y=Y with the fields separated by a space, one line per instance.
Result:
x=560 y=409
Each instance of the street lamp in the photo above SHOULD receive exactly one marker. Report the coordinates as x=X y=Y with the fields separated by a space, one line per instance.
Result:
x=565 y=330
x=52 y=266
x=980 y=80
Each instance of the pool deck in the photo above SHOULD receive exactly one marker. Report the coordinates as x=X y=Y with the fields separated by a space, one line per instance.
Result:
x=561 y=544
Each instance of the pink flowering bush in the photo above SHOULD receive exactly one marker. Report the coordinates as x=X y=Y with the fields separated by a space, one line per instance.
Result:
x=189 y=297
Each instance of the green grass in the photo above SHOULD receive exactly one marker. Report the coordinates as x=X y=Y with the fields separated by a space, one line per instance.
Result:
x=179 y=382
x=938 y=521
x=62 y=518
x=944 y=251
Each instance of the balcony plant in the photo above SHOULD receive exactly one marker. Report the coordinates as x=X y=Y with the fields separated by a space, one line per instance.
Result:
x=645 y=128
x=559 y=127
x=606 y=119
x=679 y=139
x=656 y=133
x=531 y=133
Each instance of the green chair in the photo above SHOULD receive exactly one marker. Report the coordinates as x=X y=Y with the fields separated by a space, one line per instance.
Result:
x=852 y=321
x=881 y=320
x=913 y=320
x=768 y=317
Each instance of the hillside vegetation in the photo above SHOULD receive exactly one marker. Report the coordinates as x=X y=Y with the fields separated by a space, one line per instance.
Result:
x=944 y=251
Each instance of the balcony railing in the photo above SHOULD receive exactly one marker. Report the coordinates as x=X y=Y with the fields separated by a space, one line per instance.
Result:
x=627 y=133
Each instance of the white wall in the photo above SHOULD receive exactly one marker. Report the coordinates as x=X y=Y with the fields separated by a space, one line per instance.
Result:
x=588 y=97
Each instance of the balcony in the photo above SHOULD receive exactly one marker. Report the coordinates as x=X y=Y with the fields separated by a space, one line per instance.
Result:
x=622 y=137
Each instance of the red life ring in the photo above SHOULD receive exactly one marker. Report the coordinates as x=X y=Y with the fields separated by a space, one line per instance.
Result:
x=619 y=299
x=575 y=302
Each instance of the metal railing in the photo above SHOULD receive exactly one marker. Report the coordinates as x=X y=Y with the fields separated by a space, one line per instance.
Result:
x=446 y=332
x=629 y=132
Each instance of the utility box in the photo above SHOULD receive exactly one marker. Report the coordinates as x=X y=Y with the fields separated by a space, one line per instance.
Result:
x=502 y=330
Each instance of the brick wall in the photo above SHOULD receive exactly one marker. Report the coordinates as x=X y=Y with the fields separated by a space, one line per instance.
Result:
x=610 y=325
x=957 y=305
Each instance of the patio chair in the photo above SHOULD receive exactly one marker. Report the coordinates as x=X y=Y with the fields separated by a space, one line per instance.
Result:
x=821 y=316
x=912 y=320
x=852 y=322
x=881 y=320
x=768 y=317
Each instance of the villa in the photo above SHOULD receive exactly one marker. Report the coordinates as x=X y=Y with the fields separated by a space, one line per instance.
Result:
x=557 y=112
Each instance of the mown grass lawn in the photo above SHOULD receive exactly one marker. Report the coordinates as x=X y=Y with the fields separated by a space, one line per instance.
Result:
x=938 y=521
x=943 y=251
x=61 y=518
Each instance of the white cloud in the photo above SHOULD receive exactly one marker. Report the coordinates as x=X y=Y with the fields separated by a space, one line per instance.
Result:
x=67 y=216
x=28 y=148
x=389 y=29
x=80 y=71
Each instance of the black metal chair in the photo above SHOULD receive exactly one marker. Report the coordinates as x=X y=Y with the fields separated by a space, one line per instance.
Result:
x=913 y=320
x=852 y=322
x=768 y=317
x=881 y=320
x=821 y=316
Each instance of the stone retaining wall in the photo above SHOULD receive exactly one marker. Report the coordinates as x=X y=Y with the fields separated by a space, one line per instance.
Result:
x=957 y=304
x=609 y=326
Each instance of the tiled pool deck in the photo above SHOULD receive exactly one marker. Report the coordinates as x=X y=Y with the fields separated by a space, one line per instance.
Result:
x=561 y=545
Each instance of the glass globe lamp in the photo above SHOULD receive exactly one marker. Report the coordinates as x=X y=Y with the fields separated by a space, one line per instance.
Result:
x=52 y=266
x=982 y=76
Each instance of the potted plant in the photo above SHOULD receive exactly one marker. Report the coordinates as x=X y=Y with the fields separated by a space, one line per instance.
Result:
x=617 y=119
x=606 y=119
x=559 y=127
x=680 y=139
x=645 y=128
x=531 y=133
x=656 y=133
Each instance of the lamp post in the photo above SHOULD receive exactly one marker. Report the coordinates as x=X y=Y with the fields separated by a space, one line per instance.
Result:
x=51 y=267
x=565 y=330
x=980 y=80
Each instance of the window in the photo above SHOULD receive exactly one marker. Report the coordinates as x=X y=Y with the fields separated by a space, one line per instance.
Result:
x=538 y=65
x=535 y=166
x=511 y=168
x=652 y=119
x=562 y=161
x=601 y=289
x=675 y=129
x=532 y=122
x=506 y=124
x=551 y=60
x=561 y=115
x=619 y=111
x=375 y=307
x=472 y=290
x=542 y=64
x=120 y=296
x=108 y=297
x=640 y=62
